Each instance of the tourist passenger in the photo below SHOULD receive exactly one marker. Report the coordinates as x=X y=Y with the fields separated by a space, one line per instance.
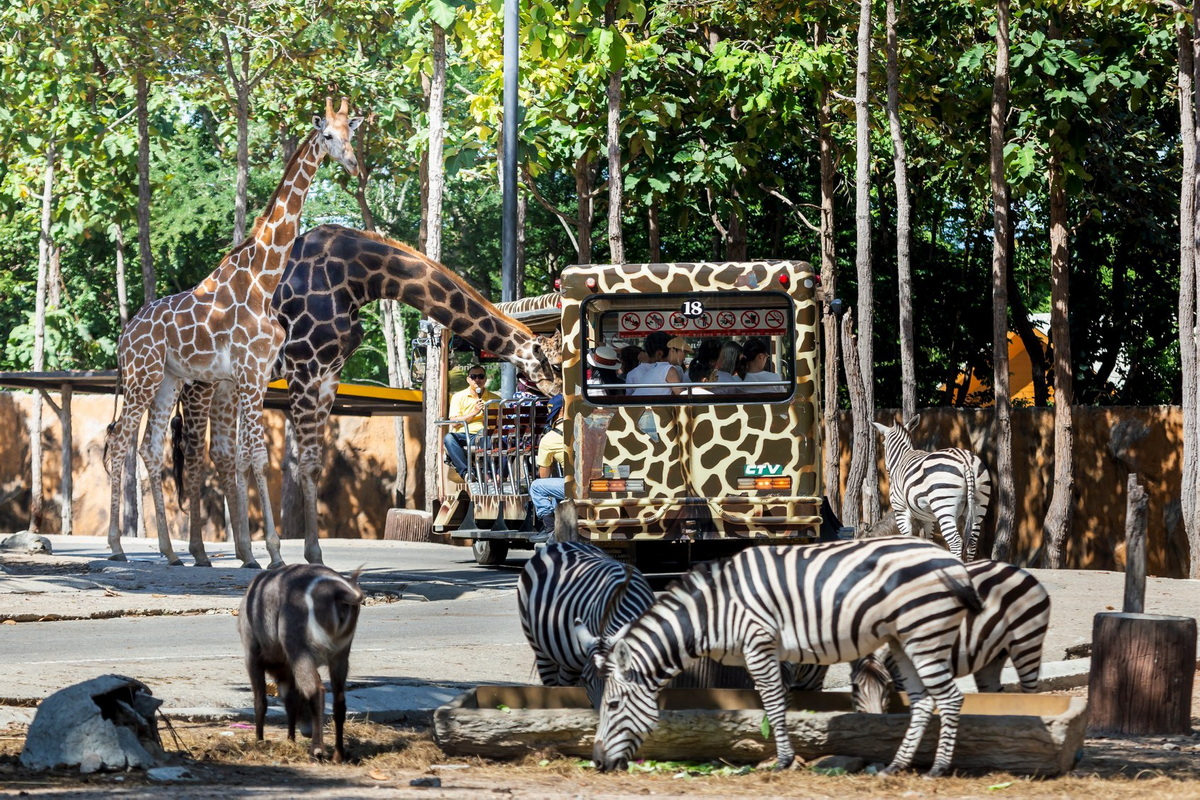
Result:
x=755 y=353
x=466 y=407
x=603 y=362
x=658 y=369
x=728 y=363
x=548 y=489
x=631 y=357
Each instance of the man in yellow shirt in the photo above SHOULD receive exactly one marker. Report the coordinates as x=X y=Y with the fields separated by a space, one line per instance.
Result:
x=548 y=489
x=466 y=407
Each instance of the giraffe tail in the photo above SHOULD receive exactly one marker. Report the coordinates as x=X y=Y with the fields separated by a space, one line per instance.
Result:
x=107 y=439
x=177 y=457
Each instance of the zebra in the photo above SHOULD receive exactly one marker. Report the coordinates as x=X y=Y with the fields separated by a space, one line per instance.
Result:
x=1012 y=626
x=822 y=604
x=942 y=486
x=570 y=595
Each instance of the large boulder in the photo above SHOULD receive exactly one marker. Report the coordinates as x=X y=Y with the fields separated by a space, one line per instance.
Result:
x=106 y=723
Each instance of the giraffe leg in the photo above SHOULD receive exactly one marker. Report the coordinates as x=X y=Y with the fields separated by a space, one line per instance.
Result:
x=223 y=415
x=196 y=400
x=118 y=442
x=252 y=452
x=310 y=401
x=152 y=451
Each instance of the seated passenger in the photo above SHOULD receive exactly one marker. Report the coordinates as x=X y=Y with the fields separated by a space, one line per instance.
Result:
x=603 y=363
x=755 y=354
x=466 y=407
x=548 y=490
x=658 y=369
x=727 y=363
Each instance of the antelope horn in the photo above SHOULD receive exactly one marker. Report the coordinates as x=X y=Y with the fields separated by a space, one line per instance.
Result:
x=345 y=106
x=329 y=106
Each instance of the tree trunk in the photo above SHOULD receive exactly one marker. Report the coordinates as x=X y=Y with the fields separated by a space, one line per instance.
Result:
x=67 y=504
x=433 y=390
x=833 y=462
x=908 y=380
x=736 y=246
x=398 y=376
x=1188 y=345
x=1058 y=516
x=584 y=175
x=437 y=167
x=145 y=254
x=654 y=235
x=1140 y=681
x=861 y=413
x=122 y=293
x=1006 y=498
x=616 y=241
x=241 y=186
x=866 y=293
x=45 y=251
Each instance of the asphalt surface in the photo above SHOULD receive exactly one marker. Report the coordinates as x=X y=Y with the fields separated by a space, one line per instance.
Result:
x=435 y=624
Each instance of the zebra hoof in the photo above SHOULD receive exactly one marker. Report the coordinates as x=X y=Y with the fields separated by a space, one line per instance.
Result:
x=118 y=557
x=888 y=771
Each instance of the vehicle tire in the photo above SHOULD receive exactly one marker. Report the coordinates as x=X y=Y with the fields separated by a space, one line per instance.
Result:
x=489 y=552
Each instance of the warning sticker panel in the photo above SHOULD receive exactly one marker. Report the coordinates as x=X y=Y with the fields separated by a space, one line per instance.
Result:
x=747 y=322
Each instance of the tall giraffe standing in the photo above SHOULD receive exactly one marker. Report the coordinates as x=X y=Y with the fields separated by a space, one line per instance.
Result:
x=333 y=272
x=222 y=331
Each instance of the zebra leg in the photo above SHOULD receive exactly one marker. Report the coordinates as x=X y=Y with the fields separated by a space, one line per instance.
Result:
x=948 y=525
x=763 y=665
x=921 y=708
x=987 y=679
x=547 y=670
x=933 y=674
x=904 y=520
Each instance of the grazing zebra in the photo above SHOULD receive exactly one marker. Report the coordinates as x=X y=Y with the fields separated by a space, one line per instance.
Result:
x=942 y=486
x=806 y=604
x=571 y=598
x=1012 y=626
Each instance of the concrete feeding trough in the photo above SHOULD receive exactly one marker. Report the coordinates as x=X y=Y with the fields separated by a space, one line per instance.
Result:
x=1024 y=734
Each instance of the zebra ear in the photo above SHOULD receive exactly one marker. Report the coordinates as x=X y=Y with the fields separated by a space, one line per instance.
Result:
x=883 y=429
x=622 y=657
x=911 y=425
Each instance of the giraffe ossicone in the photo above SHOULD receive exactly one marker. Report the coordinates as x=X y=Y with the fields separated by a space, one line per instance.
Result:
x=222 y=331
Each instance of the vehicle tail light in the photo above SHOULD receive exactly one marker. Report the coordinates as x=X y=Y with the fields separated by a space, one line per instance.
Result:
x=764 y=483
x=617 y=485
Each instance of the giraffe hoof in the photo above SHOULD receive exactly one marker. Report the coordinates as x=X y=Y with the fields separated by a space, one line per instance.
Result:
x=118 y=557
x=178 y=562
x=250 y=565
x=204 y=563
x=277 y=564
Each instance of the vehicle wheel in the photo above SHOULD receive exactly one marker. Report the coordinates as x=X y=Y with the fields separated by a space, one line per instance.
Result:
x=489 y=552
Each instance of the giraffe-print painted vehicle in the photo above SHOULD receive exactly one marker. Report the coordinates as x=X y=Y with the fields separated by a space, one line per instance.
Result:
x=666 y=470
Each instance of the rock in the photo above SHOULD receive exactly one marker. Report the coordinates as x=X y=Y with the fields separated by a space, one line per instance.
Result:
x=106 y=723
x=838 y=765
x=426 y=783
x=26 y=542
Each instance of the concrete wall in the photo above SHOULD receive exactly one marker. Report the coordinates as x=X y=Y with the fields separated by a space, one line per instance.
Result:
x=357 y=487
x=360 y=469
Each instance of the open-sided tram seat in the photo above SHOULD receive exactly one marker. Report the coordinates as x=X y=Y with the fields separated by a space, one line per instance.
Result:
x=503 y=457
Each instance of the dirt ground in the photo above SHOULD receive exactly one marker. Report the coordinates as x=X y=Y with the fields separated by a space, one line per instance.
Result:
x=224 y=759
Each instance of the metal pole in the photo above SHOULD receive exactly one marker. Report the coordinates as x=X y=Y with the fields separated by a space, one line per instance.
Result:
x=508 y=177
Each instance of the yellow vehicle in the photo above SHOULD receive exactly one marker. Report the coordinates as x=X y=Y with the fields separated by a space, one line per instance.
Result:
x=692 y=458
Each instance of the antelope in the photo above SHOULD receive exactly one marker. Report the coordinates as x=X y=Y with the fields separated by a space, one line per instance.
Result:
x=293 y=621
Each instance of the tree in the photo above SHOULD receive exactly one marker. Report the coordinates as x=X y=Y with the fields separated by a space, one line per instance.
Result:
x=903 y=220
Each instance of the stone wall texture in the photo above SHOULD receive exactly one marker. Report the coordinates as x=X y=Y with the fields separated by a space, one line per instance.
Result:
x=358 y=485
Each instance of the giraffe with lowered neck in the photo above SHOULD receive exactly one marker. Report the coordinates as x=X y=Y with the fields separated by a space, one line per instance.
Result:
x=333 y=272
x=222 y=331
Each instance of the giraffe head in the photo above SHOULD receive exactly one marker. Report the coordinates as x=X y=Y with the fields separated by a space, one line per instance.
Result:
x=335 y=131
x=544 y=363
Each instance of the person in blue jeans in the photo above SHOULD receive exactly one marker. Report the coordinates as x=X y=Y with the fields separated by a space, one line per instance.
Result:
x=547 y=491
x=466 y=407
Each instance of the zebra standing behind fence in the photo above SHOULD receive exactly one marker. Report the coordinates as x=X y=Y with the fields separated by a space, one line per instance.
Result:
x=942 y=486
x=1012 y=626
x=571 y=598
x=814 y=604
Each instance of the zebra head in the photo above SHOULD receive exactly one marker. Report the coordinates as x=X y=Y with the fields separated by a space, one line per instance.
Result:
x=897 y=439
x=595 y=665
x=628 y=711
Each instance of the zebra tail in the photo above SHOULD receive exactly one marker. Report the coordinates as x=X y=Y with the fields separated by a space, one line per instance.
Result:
x=962 y=588
x=970 y=541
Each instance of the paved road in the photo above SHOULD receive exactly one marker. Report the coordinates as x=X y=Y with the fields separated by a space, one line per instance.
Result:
x=435 y=624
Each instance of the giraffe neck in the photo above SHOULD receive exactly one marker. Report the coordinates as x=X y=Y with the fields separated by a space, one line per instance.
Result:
x=275 y=231
x=395 y=271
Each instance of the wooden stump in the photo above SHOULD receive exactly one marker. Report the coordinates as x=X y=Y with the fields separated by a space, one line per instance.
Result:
x=1141 y=674
x=408 y=525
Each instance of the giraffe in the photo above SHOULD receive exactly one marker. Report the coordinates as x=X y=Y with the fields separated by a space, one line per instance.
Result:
x=332 y=273
x=221 y=331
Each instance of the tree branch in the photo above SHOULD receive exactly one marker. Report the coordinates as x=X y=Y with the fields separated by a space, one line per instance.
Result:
x=786 y=201
x=566 y=221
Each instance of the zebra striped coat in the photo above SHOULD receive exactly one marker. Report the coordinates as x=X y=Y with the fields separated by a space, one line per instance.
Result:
x=572 y=598
x=815 y=604
x=943 y=487
x=1012 y=626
